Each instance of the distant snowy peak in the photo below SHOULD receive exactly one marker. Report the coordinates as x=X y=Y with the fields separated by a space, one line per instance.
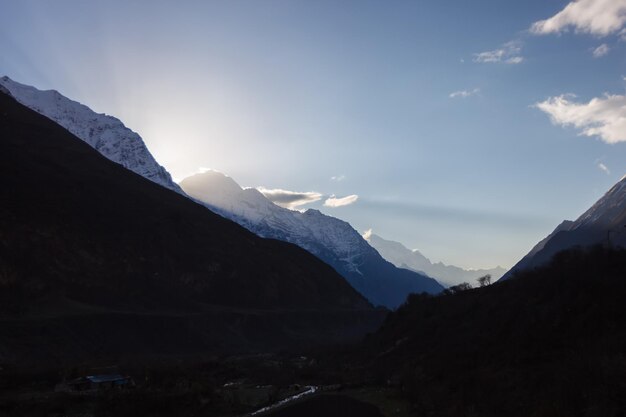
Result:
x=403 y=257
x=106 y=134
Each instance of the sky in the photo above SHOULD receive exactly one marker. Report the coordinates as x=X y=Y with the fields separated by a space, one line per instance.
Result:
x=467 y=130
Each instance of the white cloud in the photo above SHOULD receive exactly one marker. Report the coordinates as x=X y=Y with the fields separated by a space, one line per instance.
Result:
x=338 y=178
x=333 y=201
x=604 y=168
x=510 y=53
x=464 y=93
x=604 y=117
x=515 y=60
x=596 y=17
x=367 y=234
x=290 y=199
x=601 y=50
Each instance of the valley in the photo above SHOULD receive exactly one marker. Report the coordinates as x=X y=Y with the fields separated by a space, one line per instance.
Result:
x=312 y=209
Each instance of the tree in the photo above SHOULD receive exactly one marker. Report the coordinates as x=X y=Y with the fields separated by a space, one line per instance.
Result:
x=464 y=286
x=484 y=280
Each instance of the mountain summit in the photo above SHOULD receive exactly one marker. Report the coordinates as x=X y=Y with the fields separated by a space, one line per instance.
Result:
x=334 y=241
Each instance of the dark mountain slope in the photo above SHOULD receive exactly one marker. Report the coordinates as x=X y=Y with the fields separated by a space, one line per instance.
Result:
x=603 y=223
x=550 y=344
x=79 y=234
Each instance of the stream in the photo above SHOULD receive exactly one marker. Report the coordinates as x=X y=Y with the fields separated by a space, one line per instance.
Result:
x=308 y=391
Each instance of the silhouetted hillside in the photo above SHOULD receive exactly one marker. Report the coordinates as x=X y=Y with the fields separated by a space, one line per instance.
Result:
x=551 y=342
x=96 y=260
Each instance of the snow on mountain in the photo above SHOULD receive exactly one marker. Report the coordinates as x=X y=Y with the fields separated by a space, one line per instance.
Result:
x=311 y=229
x=104 y=133
x=604 y=223
x=402 y=257
x=331 y=239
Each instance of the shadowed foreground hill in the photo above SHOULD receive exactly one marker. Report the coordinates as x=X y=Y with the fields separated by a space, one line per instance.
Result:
x=551 y=342
x=96 y=260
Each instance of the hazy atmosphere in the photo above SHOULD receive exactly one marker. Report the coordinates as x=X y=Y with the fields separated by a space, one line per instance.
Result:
x=389 y=115
x=303 y=208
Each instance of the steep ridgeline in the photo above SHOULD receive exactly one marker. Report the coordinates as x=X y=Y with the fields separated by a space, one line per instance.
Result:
x=99 y=263
x=604 y=223
x=106 y=134
x=403 y=257
x=332 y=240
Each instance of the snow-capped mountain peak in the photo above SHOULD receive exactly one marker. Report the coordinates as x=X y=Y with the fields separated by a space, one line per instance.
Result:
x=332 y=240
x=249 y=206
x=105 y=133
x=403 y=257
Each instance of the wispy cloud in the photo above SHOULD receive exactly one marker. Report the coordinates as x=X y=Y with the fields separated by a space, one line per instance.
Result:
x=604 y=168
x=604 y=117
x=333 y=201
x=338 y=178
x=464 y=93
x=601 y=50
x=596 y=17
x=290 y=199
x=509 y=53
x=515 y=60
x=402 y=208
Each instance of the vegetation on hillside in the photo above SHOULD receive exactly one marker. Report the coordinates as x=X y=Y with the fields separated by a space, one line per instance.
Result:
x=550 y=342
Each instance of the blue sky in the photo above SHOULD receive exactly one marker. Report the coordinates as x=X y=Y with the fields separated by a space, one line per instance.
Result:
x=425 y=110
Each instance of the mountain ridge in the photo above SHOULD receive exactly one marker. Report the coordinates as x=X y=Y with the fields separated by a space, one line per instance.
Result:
x=403 y=257
x=107 y=134
x=333 y=240
x=97 y=261
x=603 y=223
